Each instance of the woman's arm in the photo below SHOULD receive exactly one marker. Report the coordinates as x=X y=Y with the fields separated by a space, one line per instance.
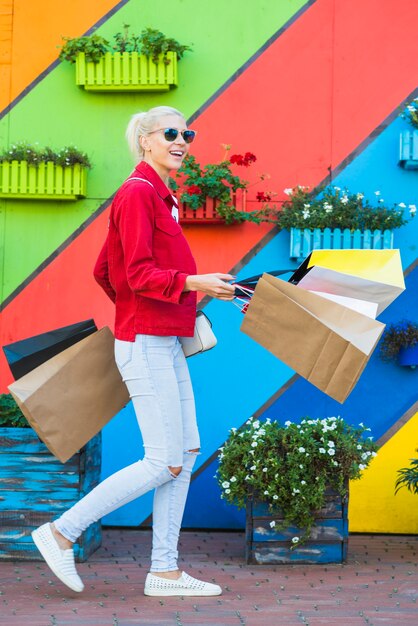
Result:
x=101 y=273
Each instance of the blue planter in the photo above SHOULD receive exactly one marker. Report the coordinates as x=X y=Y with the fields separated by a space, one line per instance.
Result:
x=35 y=488
x=408 y=150
x=327 y=543
x=303 y=241
x=408 y=356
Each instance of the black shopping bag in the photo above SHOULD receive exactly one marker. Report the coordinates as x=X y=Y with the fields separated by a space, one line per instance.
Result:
x=23 y=356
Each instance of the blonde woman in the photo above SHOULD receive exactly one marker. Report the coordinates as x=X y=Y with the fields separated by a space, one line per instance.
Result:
x=147 y=269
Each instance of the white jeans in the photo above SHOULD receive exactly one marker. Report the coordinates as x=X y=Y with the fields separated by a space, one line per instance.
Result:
x=155 y=371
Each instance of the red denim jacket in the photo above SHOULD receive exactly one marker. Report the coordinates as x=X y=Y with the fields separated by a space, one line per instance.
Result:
x=145 y=261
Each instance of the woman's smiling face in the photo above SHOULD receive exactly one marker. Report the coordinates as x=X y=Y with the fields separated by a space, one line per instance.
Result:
x=161 y=154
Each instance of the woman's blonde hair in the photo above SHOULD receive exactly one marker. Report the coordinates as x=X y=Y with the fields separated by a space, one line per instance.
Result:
x=141 y=124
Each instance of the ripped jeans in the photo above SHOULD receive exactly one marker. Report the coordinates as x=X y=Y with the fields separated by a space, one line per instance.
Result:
x=155 y=371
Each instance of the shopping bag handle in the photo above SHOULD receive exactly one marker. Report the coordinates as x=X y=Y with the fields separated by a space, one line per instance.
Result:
x=252 y=281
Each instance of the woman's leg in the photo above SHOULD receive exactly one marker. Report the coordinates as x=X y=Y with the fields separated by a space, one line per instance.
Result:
x=170 y=498
x=147 y=369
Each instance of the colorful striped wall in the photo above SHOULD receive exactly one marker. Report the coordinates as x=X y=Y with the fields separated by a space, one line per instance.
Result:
x=314 y=89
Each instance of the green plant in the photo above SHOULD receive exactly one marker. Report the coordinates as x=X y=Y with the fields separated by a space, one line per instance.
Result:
x=93 y=46
x=411 y=113
x=338 y=208
x=216 y=180
x=403 y=334
x=408 y=477
x=10 y=414
x=150 y=42
x=291 y=466
x=66 y=157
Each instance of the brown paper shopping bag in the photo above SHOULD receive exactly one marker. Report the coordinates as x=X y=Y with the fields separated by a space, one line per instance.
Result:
x=325 y=342
x=70 y=397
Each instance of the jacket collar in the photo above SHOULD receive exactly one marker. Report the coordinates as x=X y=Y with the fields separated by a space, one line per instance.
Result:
x=144 y=170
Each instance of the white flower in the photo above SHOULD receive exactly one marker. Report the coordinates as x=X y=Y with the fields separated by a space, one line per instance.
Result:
x=256 y=424
x=374 y=454
x=303 y=482
x=361 y=425
x=233 y=479
x=362 y=467
x=306 y=206
x=359 y=446
x=287 y=423
x=254 y=444
x=305 y=214
x=327 y=207
x=227 y=491
x=225 y=484
x=377 y=193
x=360 y=196
x=233 y=430
x=301 y=449
x=412 y=209
x=301 y=466
x=365 y=456
x=288 y=191
x=331 y=451
x=295 y=491
x=331 y=444
x=335 y=463
x=275 y=497
x=337 y=188
x=248 y=477
x=253 y=467
x=295 y=539
x=344 y=199
x=272 y=524
x=264 y=469
x=402 y=205
x=266 y=493
x=322 y=450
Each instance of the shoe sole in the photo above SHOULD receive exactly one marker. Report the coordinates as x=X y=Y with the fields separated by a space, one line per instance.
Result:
x=180 y=592
x=39 y=544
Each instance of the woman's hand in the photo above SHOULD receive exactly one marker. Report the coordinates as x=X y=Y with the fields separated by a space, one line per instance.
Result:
x=214 y=285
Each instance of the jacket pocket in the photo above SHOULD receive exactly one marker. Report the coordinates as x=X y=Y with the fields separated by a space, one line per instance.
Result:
x=168 y=225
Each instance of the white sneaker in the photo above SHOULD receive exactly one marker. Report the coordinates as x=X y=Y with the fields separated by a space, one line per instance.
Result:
x=60 y=561
x=184 y=586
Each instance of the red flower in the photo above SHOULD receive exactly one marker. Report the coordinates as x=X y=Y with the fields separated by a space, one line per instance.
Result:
x=237 y=158
x=194 y=189
x=263 y=197
x=249 y=158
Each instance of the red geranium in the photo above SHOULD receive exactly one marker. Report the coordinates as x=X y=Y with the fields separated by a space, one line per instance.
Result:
x=194 y=189
x=263 y=196
x=245 y=160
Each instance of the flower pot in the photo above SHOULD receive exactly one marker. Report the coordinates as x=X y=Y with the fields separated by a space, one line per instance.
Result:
x=206 y=214
x=270 y=546
x=127 y=71
x=408 y=150
x=45 y=181
x=303 y=241
x=408 y=356
x=35 y=488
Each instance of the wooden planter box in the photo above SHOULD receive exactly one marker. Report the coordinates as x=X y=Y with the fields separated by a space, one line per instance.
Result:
x=207 y=214
x=46 y=181
x=327 y=543
x=126 y=71
x=302 y=242
x=36 y=488
x=408 y=150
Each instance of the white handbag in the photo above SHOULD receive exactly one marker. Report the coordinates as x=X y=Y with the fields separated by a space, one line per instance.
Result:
x=203 y=338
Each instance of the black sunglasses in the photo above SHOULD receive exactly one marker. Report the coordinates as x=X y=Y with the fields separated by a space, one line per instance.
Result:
x=171 y=134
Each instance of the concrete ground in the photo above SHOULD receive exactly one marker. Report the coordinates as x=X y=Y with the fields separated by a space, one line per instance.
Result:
x=377 y=586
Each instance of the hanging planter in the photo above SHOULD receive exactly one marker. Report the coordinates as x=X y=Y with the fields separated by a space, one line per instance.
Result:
x=408 y=150
x=35 y=488
x=327 y=542
x=127 y=71
x=399 y=343
x=46 y=181
x=303 y=241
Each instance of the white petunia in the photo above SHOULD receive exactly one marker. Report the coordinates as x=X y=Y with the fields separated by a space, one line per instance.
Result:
x=359 y=446
x=254 y=444
x=266 y=493
x=301 y=449
x=412 y=209
x=303 y=482
x=233 y=479
x=362 y=467
x=402 y=205
x=331 y=451
x=331 y=444
x=344 y=200
x=227 y=491
x=377 y=193
x=295 y=539
x=272 y=524
x=305 y=214
x=264 y=469
x=374 y=454
x=253 y=467
x=322 y=450
x=225 y=484
x=288 y=423
x=275 y=497
x=288 y=191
